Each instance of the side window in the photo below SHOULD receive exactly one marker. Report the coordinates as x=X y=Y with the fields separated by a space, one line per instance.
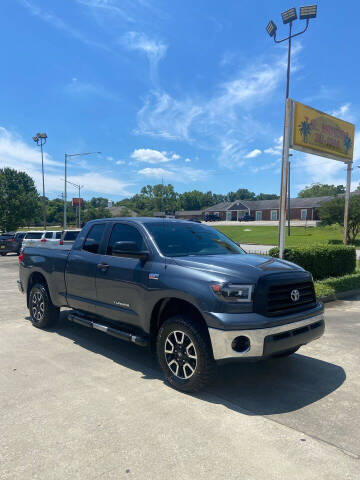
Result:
x=49 y=235
x=93 y=239
x=125 y=233
x=58 y=235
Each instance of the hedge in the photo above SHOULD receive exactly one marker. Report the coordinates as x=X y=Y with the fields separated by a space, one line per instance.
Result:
x=331 y=286
x=322 y=261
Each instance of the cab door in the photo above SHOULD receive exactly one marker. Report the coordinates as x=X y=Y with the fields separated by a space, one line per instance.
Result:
x=122 y=283
x=82 y=266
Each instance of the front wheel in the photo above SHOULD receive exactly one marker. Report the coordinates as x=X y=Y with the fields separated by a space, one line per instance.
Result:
x=43 y=312
x=185 y=354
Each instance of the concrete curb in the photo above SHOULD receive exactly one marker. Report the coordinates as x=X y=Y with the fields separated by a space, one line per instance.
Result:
x=340 y=295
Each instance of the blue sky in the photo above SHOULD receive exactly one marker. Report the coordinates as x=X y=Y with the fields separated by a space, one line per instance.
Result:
x=188 y=91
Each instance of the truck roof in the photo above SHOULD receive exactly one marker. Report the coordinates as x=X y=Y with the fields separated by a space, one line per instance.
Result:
x=141 y=220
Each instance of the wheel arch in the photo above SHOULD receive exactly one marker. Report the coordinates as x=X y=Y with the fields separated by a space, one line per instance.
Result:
x=168 y=307
x=35 y=277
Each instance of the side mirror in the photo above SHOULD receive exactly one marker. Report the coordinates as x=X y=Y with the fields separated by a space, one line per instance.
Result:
x=129 y=249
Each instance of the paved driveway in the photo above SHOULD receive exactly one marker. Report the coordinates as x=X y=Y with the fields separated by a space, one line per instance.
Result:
x=76 y=404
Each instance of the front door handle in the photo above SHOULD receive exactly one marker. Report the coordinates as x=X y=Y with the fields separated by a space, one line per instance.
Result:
x=102 y=266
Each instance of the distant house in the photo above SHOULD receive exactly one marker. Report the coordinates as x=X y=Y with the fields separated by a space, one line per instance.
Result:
x=300 y=209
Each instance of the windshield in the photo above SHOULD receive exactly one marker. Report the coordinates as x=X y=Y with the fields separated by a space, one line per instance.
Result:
x=34 y=235
x=184 y=239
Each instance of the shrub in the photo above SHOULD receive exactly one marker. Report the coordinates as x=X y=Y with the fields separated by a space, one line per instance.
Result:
x=322 y=261
x=330 y=286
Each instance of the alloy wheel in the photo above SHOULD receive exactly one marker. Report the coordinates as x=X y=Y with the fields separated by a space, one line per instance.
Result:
x=180 y=354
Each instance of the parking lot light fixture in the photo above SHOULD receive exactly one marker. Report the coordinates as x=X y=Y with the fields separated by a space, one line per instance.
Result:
x=40 y=140
x=271 y=28
x=308 y=12
x=289 y=16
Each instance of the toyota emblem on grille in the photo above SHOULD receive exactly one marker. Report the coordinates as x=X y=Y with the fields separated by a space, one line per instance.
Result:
x=295 y=295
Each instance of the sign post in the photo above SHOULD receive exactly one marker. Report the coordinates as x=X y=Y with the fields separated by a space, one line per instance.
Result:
x=347 y=201
x=284 y=174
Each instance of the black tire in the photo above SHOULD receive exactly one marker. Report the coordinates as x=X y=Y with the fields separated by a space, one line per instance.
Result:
x=43 y=312
x=192 y=374
x=286 y=353
x=3 y=254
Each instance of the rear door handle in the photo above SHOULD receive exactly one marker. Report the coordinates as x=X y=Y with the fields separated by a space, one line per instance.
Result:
x=102 y=266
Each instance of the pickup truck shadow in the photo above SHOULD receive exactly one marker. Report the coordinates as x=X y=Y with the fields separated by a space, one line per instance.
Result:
x=263 y=388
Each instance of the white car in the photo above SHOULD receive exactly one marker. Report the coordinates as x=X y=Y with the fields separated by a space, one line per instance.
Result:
x=41 y=238
x=65 y=241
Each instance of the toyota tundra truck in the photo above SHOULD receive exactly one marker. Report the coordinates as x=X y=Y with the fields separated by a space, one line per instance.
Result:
x=183 y=289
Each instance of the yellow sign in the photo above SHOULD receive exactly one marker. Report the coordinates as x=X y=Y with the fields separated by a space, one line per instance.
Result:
x=321 y=134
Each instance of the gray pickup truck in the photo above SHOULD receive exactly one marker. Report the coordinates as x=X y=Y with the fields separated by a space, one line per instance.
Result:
x=182 y=288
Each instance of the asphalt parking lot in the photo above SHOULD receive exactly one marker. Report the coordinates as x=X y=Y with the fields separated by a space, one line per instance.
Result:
x=77 y=404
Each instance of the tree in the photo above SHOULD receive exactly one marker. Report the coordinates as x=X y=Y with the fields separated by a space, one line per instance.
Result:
x=19 y=200
x=266 y=196
x=97 y=202
x=93 y=213
x=241 y=194
x=333 y=212
x=321 y=190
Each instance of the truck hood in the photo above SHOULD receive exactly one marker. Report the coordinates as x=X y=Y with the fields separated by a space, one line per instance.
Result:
x=245 y=267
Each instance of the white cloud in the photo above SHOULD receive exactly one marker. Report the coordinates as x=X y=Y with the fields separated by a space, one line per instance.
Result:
x=276 y=149
x=155 y=50
x=120 y=162
x=254 y=153
x=187 y=160
x=221 y=122
x=148 y=155
x=342 y=111
x=163 y=116
x=181 y=174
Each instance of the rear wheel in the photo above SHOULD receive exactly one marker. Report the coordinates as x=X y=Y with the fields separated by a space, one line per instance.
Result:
x=3 y=254
x=185 y=354
x=43 y=312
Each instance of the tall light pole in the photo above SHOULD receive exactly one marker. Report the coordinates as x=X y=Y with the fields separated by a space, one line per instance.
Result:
x=67 y=155
x=306 y=13
x=40 y=140
x=79 y=187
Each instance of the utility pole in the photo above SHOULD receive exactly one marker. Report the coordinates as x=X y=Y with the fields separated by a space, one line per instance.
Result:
x=67 y=155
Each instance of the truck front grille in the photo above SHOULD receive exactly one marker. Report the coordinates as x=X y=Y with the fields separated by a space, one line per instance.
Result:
x=287 y=298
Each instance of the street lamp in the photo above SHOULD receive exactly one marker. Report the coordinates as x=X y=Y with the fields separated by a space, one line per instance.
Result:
x=40 y=140
x=79 y=196
x=306 y=13
x=67 y=155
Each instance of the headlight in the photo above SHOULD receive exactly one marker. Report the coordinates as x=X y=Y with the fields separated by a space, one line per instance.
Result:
x=231 y=292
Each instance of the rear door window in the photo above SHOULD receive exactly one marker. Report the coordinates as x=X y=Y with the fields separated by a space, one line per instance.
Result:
x=58 y=235
x=93 y=239
x=71 y=235
x=49 y=235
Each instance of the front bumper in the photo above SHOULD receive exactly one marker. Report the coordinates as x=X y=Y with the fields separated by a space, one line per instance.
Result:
x=266 y=341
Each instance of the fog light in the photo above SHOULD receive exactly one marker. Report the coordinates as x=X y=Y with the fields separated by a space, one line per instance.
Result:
x=241 y=344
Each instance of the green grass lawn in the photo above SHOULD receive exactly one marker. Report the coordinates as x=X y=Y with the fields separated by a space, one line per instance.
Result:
x=300 y=236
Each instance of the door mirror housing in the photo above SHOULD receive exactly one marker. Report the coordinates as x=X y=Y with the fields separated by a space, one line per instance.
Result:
x=129 y=249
